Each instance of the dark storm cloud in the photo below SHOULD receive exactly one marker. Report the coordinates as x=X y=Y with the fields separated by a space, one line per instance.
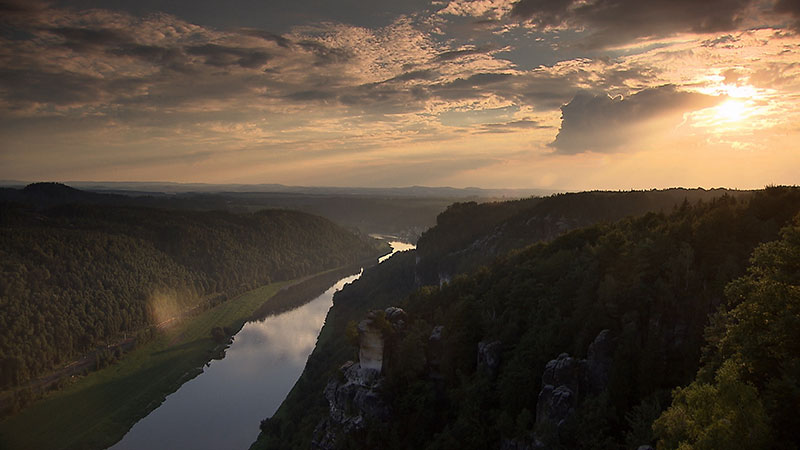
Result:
x=604 y=124
x=611 y=22
x=222 y=56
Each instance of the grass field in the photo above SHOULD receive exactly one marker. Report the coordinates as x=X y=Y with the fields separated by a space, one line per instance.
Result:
x=98 y=409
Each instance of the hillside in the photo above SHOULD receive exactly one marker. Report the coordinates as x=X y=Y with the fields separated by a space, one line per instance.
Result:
x=75 y=276
x=578 y=343
x=404 y=212
x=466 y=236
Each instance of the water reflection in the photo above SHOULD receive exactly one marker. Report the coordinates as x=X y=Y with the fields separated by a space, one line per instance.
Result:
x=397 y=246
x=221 y=409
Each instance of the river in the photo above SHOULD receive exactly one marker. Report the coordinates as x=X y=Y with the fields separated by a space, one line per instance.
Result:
x=222 y=407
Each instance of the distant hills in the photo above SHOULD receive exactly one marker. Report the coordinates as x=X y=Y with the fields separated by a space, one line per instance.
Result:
x=155 y=188
x=402 y=212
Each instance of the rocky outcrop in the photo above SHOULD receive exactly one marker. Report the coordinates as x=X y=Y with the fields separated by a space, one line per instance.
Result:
x=489 y=356
x=599 y=360
x=397 y=318
x=354 y=397
x=562 y=383
x=370 y=344
x=435 y=351
x=352 y=401
x=566 y=382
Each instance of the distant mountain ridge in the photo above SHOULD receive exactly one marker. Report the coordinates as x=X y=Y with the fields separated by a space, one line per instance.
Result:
x=153 y=188
x=401 y=212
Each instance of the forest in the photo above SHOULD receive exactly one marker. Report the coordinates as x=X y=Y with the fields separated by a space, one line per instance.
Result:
x=698 y=304
x=77 y=276
x=403 y=212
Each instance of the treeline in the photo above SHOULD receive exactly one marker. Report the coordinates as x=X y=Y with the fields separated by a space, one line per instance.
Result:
x=76 y=276
x=654 y=282
x=469 y=235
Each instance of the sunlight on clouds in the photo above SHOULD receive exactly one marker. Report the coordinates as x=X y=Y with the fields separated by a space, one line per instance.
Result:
x=157 y=97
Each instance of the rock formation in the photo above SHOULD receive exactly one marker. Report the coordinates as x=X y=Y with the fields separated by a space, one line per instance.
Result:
x=566 y=382
x=354 y=398
x=599 y=360
x=489 y=356
x=435 y=350
x=370 y=344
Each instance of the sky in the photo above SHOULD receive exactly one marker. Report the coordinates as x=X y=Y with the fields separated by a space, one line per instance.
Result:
x=552 y=94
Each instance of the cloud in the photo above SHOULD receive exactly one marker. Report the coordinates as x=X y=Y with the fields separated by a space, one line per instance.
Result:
x=267 y=36
x=158 y=83
x=542 y=13
x=724 y=41
x=325 y=55
x=423 y=74
x=312 y=95
x=24 y=87
x=22 y=7
x=790 y=8
x=87 y=39
x=456 y=54
x=486 y=9
x=512 y=127
x=223 y=56
x=615 y=22
x=601 y=123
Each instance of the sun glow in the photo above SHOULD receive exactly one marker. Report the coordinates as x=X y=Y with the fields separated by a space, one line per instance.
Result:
x=731 y=110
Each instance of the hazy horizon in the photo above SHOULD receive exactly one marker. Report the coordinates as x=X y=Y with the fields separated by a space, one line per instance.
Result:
x=187 y=187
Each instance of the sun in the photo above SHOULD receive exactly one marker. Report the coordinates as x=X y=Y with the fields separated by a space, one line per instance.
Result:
x=732 y=110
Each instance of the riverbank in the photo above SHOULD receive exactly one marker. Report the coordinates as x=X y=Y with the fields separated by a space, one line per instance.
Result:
x=290 y=297
x=95 y=411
